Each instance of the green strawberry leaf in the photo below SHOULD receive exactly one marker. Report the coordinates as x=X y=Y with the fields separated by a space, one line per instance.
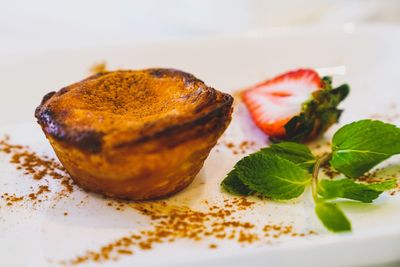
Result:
x=233 y=185
x=350 y=189
x=272 y=176
x=359 y=146
x=297 y=153
x=318 y=113
x=332 y=217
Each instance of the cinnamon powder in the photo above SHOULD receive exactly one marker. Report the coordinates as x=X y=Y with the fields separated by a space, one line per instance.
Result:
x=170 y=223
x=36 y=167
x=243 y=147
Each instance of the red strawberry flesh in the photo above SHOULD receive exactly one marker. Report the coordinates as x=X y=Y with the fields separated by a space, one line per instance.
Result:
x=274 y=102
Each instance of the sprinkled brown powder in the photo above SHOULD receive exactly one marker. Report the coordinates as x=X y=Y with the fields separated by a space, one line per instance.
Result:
x=395 y=190
x=230 y=145
x=329 y=172
x=392 y=115
x=320 y=147
x=242 y=148
x=371 y=177
x=171 y=223
x=212 y=246
x=37 y=167
x=42 y=189
x=11 y=198
x=124 y=251
x=378 y=176
x=98 y=68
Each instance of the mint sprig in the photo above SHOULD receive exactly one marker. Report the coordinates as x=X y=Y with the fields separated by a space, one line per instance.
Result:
x=283 y=170
x=233 y=185
x=332 y=217
x=272 y=176
x=351 y=189
x=359 y=146
x=299 y=154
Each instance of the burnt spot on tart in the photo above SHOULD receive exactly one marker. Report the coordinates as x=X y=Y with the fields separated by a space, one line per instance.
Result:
x=132 y=106
x=135 y=135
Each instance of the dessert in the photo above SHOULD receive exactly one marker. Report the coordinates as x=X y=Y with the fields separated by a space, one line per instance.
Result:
x=134 y=134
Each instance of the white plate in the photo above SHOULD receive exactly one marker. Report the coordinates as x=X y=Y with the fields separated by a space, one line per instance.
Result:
x=370 y=59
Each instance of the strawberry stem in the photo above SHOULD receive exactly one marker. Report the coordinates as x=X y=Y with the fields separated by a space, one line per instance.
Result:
x=314 y=184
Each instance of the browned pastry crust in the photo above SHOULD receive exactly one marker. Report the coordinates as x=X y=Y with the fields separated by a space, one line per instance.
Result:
x=135 y=134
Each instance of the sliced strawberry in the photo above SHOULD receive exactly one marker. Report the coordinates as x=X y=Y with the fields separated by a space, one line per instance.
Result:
x=274 y=103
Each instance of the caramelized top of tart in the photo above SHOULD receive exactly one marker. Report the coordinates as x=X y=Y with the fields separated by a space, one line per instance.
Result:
x=112 y=108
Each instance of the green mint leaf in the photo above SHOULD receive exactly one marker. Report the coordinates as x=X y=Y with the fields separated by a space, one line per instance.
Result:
x=233 y=185
x=350 y=189
x=294 y=152
x=359 y=146
x=272 y=176
x=384 y=185
x=297 y=153
x=318 y=113
x=332 y=217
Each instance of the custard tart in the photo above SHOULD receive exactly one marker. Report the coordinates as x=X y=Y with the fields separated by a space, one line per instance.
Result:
x=134 y=134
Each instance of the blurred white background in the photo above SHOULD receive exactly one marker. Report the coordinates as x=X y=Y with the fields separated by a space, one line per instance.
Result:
x=27 y=26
